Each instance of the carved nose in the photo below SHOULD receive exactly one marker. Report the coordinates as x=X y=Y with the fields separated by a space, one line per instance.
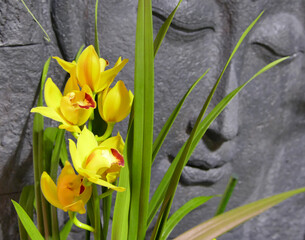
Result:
x=225 y=126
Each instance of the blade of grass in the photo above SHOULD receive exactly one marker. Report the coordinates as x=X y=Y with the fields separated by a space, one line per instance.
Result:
x=27 y=222
x=122 y=203
x=227 y=195
x=165 y=129
x=182 y=212
x=49 y=137
x=96 y=42
x=106 y=209
x=163 y=30
x=143 y=122
x=29 y=11
x=233 y=218
x=60 y=136
x=184 y=156
x=204 y=125
x=66 y=230
x=26 y=201
x=38 y=155
x=79 y=52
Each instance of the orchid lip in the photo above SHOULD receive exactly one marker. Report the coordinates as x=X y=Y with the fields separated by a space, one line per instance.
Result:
x=90 y=102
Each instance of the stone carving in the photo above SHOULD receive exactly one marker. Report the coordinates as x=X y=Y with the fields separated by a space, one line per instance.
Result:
x=260 y=136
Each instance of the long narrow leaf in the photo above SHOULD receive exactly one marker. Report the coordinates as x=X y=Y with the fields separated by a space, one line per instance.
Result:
x=204 y=125
x=27 y=222
x=182 y=212
x=121 y=208
x=227 y=195
x=163 y=30
x=143 y=122
x=38 y=156
x=26 y=201
x=96 y=42
x=66 y=230
x=228 y=220
x=163 y=133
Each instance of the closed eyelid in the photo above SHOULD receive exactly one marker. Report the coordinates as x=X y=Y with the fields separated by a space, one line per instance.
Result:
x=281 y=34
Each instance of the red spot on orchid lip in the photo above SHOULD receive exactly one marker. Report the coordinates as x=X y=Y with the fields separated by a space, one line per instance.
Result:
x=82 y=189
x=118 y=156
x=90 y=103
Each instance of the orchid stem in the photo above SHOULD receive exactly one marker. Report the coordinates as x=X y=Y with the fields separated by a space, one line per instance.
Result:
x=107 y=133
x=106 y=194
x=79 y=224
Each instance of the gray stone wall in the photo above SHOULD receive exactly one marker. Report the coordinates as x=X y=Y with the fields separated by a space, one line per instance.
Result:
x=260 y=136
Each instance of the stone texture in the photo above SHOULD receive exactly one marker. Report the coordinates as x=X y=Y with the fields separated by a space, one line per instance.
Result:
x=259 y=137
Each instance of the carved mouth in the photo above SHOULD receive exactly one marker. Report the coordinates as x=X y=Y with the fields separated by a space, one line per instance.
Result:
x=200 y=172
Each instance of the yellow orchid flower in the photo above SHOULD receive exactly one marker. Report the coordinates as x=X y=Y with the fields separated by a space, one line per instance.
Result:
x=72 y=110
x=100 y=164
x=114 y=104
x=69 y=194
x=90 y=70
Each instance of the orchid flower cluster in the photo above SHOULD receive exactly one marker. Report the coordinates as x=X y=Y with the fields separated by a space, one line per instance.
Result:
x=96 y=159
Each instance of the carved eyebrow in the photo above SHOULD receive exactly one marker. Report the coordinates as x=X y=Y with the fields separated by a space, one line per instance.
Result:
x=187 y=27
x=282 y=34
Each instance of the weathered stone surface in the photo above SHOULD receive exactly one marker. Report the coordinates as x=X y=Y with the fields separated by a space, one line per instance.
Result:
x=259 y=137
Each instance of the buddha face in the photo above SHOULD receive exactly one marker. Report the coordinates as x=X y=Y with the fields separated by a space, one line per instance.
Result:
x=260 y=135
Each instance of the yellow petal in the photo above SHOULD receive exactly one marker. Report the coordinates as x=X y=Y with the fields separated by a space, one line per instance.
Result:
x=117 y=103
x=67 y=170
x=103 y=64
x=86 y=143
x=49 y=113
x=99 y=160
x=67 y=66
x=52 y=95
x=76 y=158
x=77 y=107
x=107 y=77
x=88 y=68
x=86 y=194
x=106 y=184
x=71 y=86
x=70 y=128
x=77 y=206
x=114 y=142
x=49 y=190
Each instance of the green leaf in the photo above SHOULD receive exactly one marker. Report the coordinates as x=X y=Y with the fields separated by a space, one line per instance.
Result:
x=96 y=42
x=66 y=230
x=163 y=30
x=27 y=222
x=29 y=11
x=26 y=201
x=38 y=156
x=143 y=121
x=49 y=137
x=227 y=195
x=231 y=219
x=79 y=52
x=203 y=126
x=121 y=208
x=63 y=155
x=182 y=212
x=165 y=129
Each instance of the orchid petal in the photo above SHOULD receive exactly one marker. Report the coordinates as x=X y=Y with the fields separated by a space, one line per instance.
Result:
x=114 y=142
x=71 y=85
x=49 y=190
x=88 y=67
x=52 y=95
x=86 y=142
x=67 y=66
x=106 y=184
x=77 y=161
x=49 y=113
x=107 y=77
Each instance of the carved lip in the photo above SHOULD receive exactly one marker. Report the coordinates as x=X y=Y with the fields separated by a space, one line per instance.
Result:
x=200 y=172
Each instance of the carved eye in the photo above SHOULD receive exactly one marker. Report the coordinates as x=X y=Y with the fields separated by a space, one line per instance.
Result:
x=187 y=31
x=278 y=36
x=269 y=52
